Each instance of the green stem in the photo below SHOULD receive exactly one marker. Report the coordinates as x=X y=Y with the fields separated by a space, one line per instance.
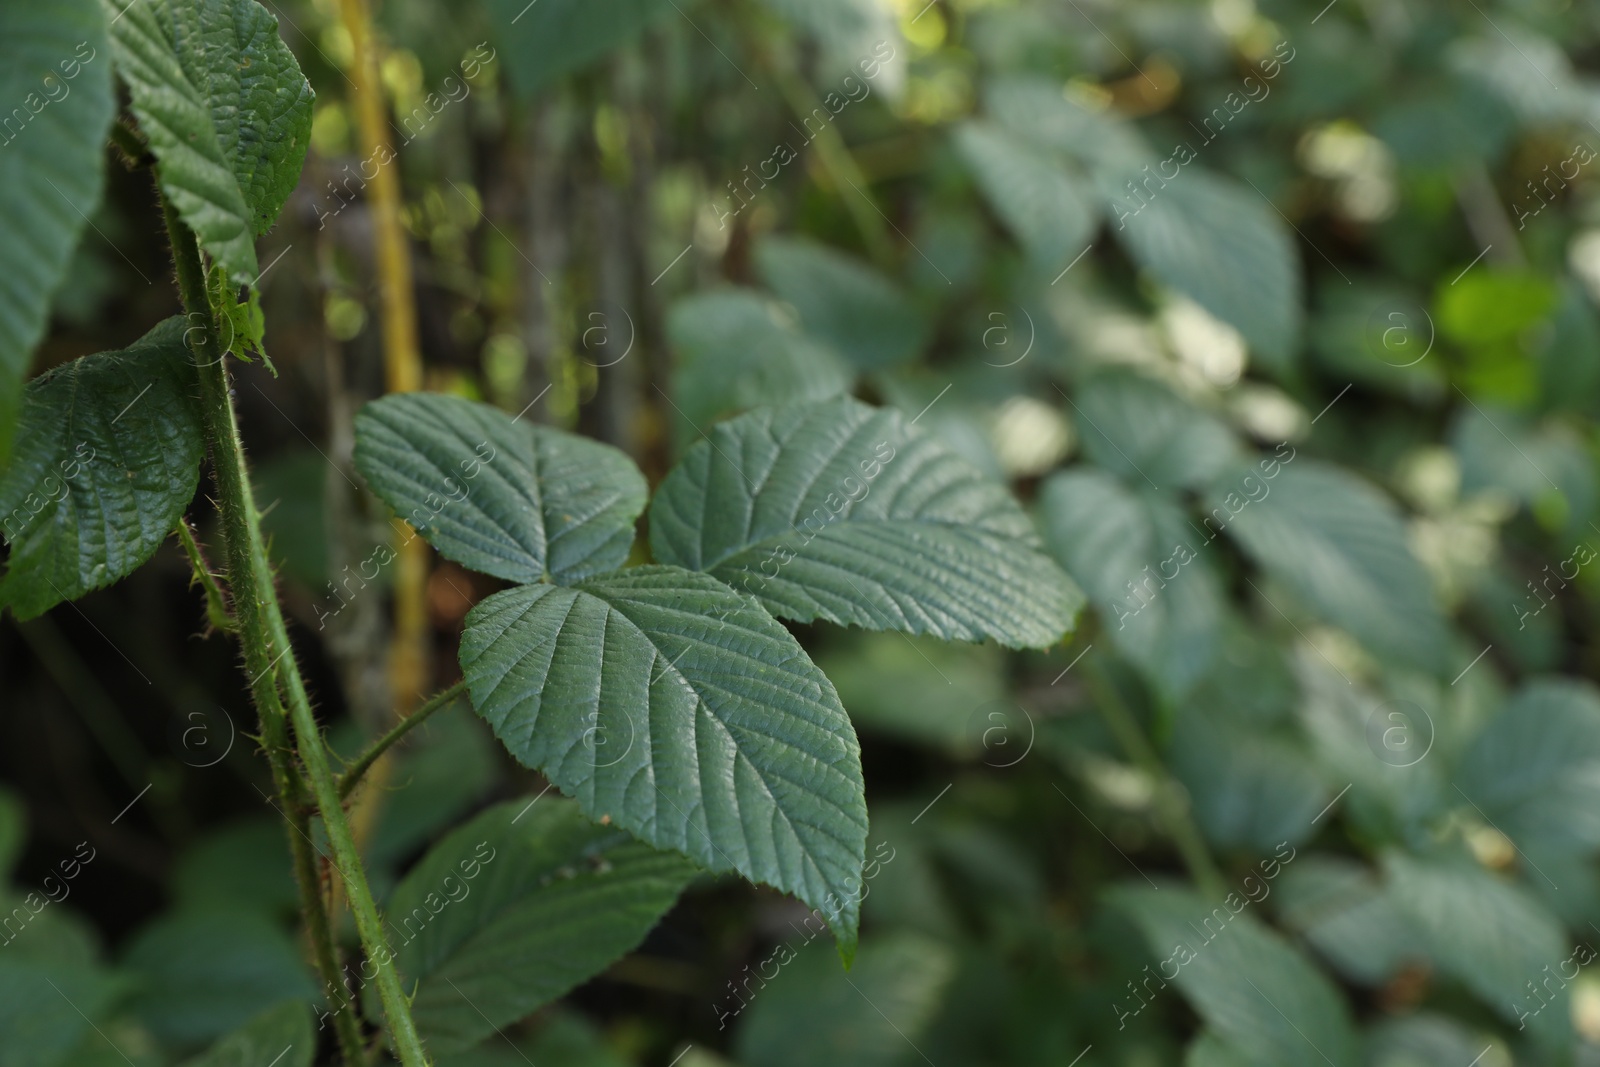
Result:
x=216 y=604
x=132 y=147
x=1171 y=808
x=351 y=777
x=319 y=928
x=261 y=632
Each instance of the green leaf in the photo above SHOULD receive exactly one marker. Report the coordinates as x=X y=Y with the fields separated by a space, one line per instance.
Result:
x=226 y=111
x=515 y=500
x=565 y=1039
x=814 y=1013
x=204 y=973
x=1255 y=991
x=1534 y=771
x=1341 y=546
x=51 y=983
x=1546 y=467
x=55 y=79
x=1222 y=244
x=1209 y=1050
x=679 y=708
x=849 y=305
x=1489 y=934
x=278 y=1037
x=737 y=350
x=1145 y=433
x=1424 y=1039
x=1374 y=742
x=1144 y=568
x=1351 y=919
x=243 y=864
x=107 y=459
x=516 y=907
x=1248 y=789
x=1493 y=305
x=544 y=41
x=1049 y=210
x=888 y=528
x=1374 y=333
x=1037 y=111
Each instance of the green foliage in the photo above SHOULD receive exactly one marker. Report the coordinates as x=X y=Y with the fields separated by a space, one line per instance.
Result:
x=108 y=458
x=666 y=679
x=1225 y=246
x=614 y=679
x=1142 y=432
x=225 y=109
x=887 y=1000
x=1484 y=932
x=517 y=906
x=280 y=1036
x=51 y=983
x=1303 y=403
x=847 y=31
x=1341 y=547
x=1049 y=210
x=738 y=351
x=203 y=973
x=853 y=308
x=544 y=40
x=244 y=864
x=1532 y=769
x=550 y=505
x=56 y=87
x=1127 y=546
x=841 y=512
x=13 y=830
x=1258 y=994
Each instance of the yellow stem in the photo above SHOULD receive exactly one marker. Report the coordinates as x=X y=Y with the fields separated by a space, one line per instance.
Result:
x=408 y=652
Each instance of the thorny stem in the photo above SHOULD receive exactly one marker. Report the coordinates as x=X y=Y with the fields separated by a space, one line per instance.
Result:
x=132 y=147
x=216 y=604
x=1171 y=809
x=261 y=631
x=352 y=777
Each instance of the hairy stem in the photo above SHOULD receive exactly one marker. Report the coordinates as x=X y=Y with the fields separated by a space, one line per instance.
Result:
x=352 y=776
x=1171 y=808
x=216 y=605
x=265 y=643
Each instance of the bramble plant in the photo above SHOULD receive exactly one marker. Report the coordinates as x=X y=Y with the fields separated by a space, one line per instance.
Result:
x=647 y=631
x=690 y=728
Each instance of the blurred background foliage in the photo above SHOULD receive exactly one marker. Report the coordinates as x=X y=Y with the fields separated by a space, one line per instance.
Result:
x=1281 y=317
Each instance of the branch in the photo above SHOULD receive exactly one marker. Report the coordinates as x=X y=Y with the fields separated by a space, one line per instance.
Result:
x=261 y=630
x=352 y=776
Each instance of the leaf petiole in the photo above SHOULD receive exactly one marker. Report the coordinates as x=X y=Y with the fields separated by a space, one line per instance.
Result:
x=352 y=776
